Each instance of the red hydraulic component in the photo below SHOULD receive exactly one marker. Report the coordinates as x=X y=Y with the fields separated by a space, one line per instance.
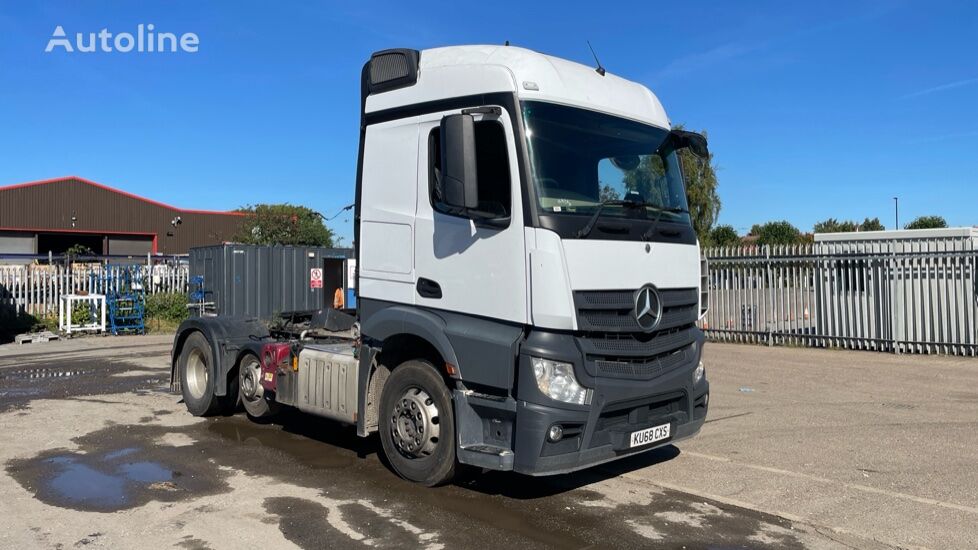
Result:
x=275 y=358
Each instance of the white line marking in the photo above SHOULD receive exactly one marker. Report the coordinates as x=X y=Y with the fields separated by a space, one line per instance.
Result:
x=854 y=486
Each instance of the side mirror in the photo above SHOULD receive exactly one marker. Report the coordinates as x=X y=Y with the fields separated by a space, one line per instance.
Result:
x=460 y=185
x=696 y=143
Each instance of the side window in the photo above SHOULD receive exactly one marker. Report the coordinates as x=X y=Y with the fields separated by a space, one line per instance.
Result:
x=492 y=159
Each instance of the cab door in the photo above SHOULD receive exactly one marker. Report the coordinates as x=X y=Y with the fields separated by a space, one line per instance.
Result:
x=462 y=266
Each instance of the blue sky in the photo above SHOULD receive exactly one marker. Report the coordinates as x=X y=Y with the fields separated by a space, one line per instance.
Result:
x=814 y=110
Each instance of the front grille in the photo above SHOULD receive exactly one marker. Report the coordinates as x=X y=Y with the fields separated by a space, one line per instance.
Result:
x=613 y=311
x=615 y=346
x=642 y=368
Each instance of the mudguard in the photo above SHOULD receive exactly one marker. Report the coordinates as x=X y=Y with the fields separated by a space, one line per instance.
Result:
x=394 y=320
x=228 y=338
x=483 y=350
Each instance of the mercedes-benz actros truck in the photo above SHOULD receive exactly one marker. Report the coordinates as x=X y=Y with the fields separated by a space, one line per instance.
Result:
x=529 y=281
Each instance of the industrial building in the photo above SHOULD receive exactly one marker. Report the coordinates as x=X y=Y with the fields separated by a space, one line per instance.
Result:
x=50 y=216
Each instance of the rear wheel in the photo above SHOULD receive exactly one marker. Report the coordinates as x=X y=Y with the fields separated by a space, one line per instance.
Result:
x=196 y=384
x=253 y=397
x=417 y=425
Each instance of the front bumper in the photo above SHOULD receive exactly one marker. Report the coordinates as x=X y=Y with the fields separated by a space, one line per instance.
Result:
x=599 y=432
x=537 y=456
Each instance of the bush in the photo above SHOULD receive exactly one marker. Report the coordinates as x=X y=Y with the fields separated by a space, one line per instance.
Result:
x=167 y=306
x=780 y=232
x=927 y=222
x=724 y=235
x=81 y=313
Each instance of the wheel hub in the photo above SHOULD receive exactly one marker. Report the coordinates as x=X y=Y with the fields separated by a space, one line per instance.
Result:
x=414 y=424
x=251 y=388
x=197 y=374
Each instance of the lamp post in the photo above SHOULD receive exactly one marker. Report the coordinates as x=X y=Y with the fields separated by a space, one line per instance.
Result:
x=896 y=212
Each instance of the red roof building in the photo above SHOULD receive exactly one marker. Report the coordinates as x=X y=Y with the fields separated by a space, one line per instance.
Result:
x=45 y=216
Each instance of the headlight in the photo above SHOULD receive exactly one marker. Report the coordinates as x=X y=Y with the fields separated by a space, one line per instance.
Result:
x=557 y=381
x=698 y=373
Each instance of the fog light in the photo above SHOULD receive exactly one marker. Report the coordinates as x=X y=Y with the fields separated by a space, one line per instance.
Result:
x=698 y=373
x=555 y=433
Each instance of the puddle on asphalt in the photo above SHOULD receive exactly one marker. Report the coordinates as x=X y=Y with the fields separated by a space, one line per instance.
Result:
x=105 y=476
x=102 y=482
x=42 y=372
x=75 y=377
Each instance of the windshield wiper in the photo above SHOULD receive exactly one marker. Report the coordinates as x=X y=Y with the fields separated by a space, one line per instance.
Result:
x=586 y=230
x=659 y=211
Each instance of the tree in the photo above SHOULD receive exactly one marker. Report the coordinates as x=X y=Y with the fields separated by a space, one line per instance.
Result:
x=701 y=186
x=76 y=250
x=609 y=193
x=871 y=225
x=701 y=190
x=780 y=232
x=283 y=224
x=723 y=235
x=833 y=225
x=927 y=222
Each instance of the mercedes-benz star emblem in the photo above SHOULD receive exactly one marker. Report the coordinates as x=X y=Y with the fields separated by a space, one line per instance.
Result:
x=648 y=308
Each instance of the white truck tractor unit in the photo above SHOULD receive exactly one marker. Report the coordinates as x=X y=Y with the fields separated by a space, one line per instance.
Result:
x=529 y=280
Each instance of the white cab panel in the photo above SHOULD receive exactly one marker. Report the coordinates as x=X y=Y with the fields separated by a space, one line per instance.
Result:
x=610 y=265
x=550 y=290
x=396 y=254
x=481 y=270
x=436 y=83
x=388 y=199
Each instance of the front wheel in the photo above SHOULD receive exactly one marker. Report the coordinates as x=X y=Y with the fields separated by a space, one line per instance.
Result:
x=417 y=424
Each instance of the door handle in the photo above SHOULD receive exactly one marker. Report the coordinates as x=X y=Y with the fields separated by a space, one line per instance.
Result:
x=428 y=288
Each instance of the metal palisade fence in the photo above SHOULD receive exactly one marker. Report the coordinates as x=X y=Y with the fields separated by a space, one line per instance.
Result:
x=36 y=289
x=901 y=297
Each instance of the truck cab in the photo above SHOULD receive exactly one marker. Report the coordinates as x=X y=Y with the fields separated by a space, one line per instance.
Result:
x=528 y=276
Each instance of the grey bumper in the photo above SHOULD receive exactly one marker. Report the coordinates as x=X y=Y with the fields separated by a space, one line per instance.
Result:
x=600 y=432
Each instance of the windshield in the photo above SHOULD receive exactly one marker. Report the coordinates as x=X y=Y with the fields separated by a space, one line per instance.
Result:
x=580 y=158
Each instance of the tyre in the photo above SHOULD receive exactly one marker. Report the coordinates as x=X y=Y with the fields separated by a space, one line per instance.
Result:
x=417 y=424
x=253 y=397
x=196 y=382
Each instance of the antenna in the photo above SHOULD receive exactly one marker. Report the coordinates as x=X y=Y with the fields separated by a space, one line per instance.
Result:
x=600 y=70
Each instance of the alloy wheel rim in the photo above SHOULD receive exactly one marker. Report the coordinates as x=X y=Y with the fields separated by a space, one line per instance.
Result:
x=251 y=388
x=197 y=374
x=414 y=423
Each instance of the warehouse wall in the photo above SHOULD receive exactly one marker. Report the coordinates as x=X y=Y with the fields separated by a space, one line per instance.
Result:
x=50 y=206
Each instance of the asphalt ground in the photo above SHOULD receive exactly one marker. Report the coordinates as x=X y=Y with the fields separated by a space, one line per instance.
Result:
x=802 y=449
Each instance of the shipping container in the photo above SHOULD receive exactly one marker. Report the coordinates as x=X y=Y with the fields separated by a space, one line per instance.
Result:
x=264 y=281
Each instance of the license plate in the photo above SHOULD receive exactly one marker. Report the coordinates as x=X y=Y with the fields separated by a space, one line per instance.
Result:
x=649 y=435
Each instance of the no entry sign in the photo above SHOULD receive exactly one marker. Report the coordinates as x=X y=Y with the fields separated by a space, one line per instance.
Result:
x=316 y=277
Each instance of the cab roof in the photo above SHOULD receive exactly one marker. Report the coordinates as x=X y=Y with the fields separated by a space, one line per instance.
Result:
x=456 y=71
